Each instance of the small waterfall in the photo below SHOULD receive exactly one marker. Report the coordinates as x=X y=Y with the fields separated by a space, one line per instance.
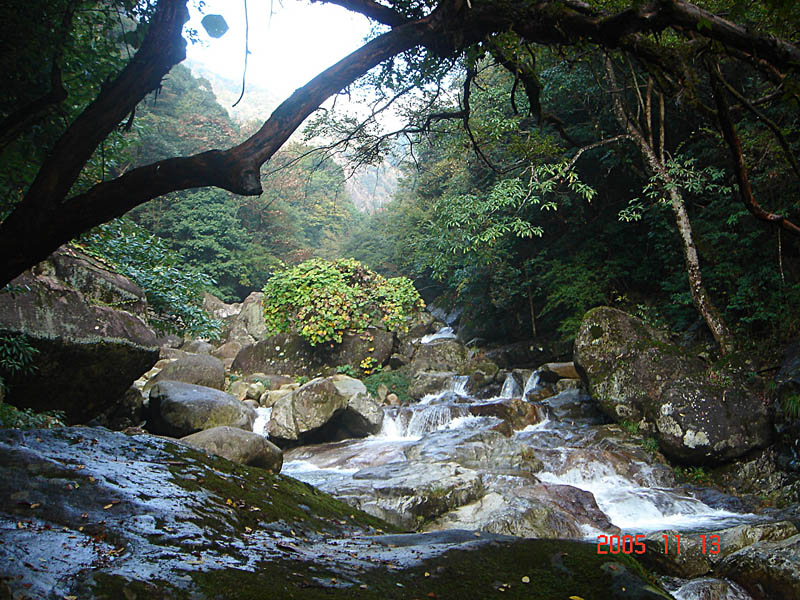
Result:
x=262 y=418
x=443 y=334
x=531 y=384
x=459 y=385
x=510 y=388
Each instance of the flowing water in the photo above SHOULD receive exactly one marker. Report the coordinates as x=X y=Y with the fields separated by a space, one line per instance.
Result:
x=591 y=475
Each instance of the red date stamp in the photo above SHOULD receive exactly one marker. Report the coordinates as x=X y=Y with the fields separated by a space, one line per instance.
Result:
x=634 y=544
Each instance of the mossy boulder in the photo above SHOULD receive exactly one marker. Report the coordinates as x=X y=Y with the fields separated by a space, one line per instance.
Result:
x=288 y=353
x=239 y=446
x=74 y=310
x=179 y=409
x=198 y=369
x=700 y=414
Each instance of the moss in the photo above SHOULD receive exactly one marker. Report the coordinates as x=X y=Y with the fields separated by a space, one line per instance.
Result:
x=107 y=586
x=249 y=496
x=555 y=569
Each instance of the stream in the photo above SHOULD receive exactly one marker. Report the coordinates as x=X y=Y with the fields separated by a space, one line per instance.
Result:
x=446 y=463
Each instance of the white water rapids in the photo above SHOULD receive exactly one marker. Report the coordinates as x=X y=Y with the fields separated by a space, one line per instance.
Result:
x=634 y=500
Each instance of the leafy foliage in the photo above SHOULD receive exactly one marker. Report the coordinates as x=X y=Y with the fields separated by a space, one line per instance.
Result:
x=396 y=382
x=174 y=292
x=17 y=356
x=320 y=300
x=10 y=416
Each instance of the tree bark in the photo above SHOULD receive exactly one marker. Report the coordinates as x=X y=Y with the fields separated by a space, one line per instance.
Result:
x=655 y=162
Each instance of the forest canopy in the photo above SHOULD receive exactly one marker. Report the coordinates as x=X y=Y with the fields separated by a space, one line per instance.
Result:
x=679 y=82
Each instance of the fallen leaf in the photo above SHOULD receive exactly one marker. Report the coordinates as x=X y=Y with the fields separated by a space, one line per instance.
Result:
x=36 y=505
x=526 y=579
x=575 y=598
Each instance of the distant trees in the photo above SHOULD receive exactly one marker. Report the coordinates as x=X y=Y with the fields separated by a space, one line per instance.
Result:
x=422 y=40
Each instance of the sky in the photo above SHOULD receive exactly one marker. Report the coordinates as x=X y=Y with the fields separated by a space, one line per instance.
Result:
x=287 y=49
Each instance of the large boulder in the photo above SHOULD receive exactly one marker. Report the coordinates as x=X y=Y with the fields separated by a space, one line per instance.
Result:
x=93 y=514
x=440 y=355
x=179 y=409
x=198 y=369
x=324 y=409
x=239 y=446
x=766 y=569
x=699 y=414
x=246 y=326
x=288 y=353
x=71 y=308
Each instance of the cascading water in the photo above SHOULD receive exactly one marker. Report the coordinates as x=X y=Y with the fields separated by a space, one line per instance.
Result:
x=510 y=388
x=445 y=333
x=532 y=384
x=262 y=419
x=572 y=444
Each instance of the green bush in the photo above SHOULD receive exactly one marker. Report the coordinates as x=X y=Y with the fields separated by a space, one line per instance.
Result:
x=16 y=356
x=174 y=292
x=396 y=382
x=320 y=300
x=10 y=416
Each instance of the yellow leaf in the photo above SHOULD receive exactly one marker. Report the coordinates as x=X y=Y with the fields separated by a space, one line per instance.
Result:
x=575 y=598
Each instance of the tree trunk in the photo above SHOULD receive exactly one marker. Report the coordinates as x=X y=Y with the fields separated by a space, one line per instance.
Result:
x=655 y=161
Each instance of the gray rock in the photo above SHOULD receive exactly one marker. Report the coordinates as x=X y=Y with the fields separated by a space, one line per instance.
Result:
x=767 y=570
x=179 y=409
x=211 y=525
x=227 y=352
x=440 y=355
x=694 y=560
x=197 y=347
x=307 y=414
x=429 y=382
x=239 y=446
x=699 y=415
x=198 y=369
x=90 y=351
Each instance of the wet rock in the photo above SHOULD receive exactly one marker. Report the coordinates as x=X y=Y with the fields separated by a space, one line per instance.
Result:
x=766 y=569
x=239 y=446
x=705 y=588
x=325 y=409
x=515 y=411
x=179 y=409
x=197 y=369
x=525 y=353
x=755 y=473
x=695 y=560
x=563 y=385
x=429 y=382
x=91 y=350
x=97 y=515
x=440 y=355
x=699 y=415
x=406 y=496
x=539 y=510
x=575 y=407
x=554 y=371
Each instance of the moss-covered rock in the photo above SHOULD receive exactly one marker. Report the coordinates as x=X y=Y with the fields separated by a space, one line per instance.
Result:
x=699 y=414
x=99 y=515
